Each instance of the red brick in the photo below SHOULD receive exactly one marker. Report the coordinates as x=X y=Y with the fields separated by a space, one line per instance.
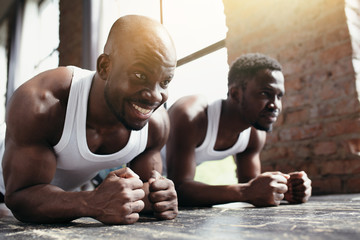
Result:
x=311 y=168
x=321 y=106
x=343 y=67
x=325 y=148
x=301 y=151
x=302 y=132
x=313 y=44
x=297 y=116
x=274 y=153
x=295 y=100
x=332 y=167
x=267 y=168
x=326 y=185
x=342 y=127
x=285 y=168
x=352 y=185
x=337 y=34
x=272 y=137
x=293 y=84
x=340 y=167
x=347 y=106
x=336 y=53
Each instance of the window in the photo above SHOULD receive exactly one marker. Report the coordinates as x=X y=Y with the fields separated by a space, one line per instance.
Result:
x=48 y=36
x=3 y=68
x=194 y=26
x=38 y=41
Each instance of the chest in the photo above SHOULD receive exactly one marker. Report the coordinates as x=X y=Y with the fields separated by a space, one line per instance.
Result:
x=225 y=140
x=106 y=141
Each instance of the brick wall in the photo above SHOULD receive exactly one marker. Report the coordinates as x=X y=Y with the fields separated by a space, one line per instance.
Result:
x=318 y=130
x=71 y=26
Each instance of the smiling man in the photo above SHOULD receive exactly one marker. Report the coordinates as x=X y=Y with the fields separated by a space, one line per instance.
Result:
x=66 y=124
x=234 y=126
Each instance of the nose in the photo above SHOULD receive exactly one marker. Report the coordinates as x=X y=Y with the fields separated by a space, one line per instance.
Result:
x=275 y=104
x=155 y=94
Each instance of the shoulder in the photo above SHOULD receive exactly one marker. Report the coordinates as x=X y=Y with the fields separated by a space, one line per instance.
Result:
x=257 y=140
x=36 y=106
x=188 y=119
x=189 y=109
x=159 y=127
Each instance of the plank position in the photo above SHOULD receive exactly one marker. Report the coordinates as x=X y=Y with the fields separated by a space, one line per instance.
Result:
x=66 y=124
x=234 y=126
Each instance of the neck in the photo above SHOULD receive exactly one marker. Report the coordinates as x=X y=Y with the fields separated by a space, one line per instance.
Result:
x=99 y=114
x=231 y=118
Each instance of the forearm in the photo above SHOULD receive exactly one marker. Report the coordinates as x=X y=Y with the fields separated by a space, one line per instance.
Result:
x=49 y=204
x=192 y=193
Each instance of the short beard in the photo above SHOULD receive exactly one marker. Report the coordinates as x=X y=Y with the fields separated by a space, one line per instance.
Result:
x=117 y=115
x=257 y=126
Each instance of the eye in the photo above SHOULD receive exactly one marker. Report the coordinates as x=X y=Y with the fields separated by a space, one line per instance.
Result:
x=165 y=83
x=140 y=76
x=265 y=94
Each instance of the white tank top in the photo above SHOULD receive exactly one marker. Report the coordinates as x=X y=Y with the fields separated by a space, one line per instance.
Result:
x=76 y=164
x=206 y=152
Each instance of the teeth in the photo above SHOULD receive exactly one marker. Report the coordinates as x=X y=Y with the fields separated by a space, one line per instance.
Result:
x=142 y=110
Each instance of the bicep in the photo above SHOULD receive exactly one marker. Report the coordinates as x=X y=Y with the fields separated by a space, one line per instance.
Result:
x=26 y=165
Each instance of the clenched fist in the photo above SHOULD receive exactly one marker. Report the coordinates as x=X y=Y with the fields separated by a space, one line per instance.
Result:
x=299 y=186
x=267 y=189
x=117 y=200
x=162 y=196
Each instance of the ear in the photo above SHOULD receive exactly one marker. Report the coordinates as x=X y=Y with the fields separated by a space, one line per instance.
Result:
x=235 y=93
x=103 y=66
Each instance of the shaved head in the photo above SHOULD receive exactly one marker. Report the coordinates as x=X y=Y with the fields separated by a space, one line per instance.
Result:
x=141 y=29
x=137 y=65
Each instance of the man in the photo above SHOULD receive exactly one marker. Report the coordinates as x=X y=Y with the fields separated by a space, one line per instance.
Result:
x=234 y=126
x=66 y=124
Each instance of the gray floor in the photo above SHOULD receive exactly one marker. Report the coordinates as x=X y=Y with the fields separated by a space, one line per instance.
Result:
x=323 y=217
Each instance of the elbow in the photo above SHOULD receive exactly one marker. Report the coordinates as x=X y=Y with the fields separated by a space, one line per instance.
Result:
x=14 y=205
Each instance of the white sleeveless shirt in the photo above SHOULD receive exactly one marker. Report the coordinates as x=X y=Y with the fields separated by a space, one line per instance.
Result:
x=76 y=164
x=206 y=152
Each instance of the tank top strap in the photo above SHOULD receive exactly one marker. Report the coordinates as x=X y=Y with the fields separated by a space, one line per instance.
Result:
x=75 y=90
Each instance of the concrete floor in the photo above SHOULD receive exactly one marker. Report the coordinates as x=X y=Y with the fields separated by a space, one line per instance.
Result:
x=323 y=217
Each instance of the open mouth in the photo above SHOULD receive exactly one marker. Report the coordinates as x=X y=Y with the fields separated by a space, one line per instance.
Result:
x=143 y=111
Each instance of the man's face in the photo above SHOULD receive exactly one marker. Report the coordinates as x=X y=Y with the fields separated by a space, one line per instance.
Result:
x=137 y=82
x=261 y=100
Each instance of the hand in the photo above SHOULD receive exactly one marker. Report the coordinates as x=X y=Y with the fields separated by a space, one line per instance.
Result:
x=162 y=196
x=118 y=198
x=267 y=189
x=299 y=186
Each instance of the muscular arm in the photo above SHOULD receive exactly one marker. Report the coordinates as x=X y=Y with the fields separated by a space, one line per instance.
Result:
x=248 y=164
x=34 y=120
x=187 y=124
x=160 y=195
x=29 y=162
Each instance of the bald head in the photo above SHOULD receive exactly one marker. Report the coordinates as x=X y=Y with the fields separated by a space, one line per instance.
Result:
x=139 y=29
